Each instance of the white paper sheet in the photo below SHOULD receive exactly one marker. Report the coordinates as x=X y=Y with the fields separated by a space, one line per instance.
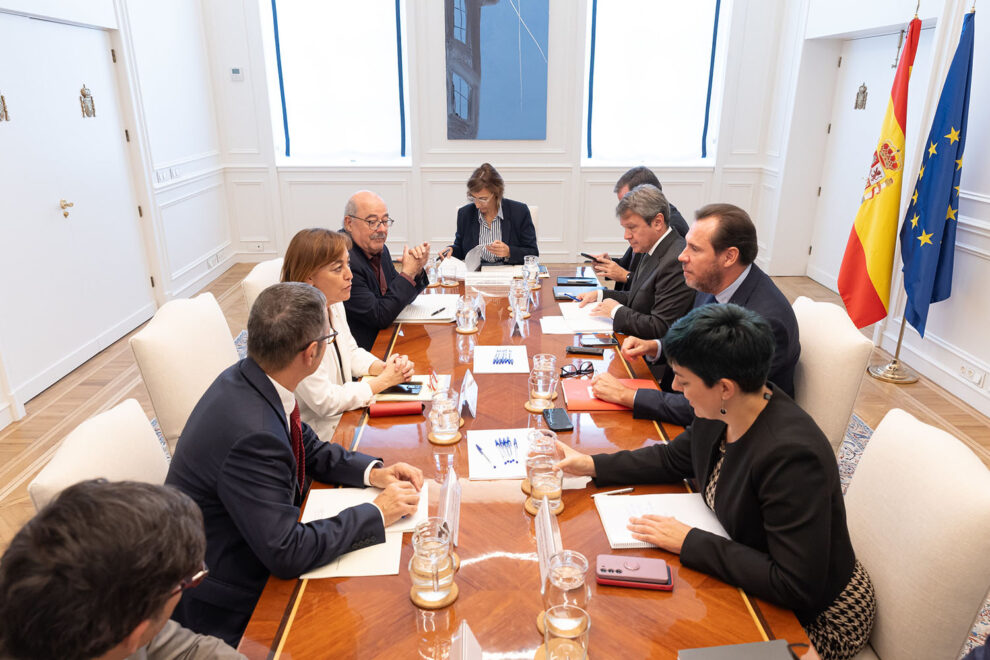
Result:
x=422 y=309
x=689 y=508
x=472 y=259
x=381 y=559
x=425 y=394
x=580 y=319
x=496 y=463
x=328 y=502
x=484 y=357
x=555 y=325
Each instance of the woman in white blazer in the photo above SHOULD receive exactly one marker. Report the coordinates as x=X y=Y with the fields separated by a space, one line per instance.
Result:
x=320 y=257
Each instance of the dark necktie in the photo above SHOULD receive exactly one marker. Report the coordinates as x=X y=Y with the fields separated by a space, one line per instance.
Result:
x=297 y=446
x=708 y=299
x=376 y=263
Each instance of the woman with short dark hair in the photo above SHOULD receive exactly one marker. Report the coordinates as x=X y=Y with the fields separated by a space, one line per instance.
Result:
x=765 y=469
x=320 y=257
x=503 y=226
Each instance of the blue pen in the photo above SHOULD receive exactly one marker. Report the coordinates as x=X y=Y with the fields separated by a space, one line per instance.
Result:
x=482 y=452
x=574 y=298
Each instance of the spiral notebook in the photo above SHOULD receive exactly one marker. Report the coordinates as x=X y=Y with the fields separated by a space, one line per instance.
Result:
x=616 y=510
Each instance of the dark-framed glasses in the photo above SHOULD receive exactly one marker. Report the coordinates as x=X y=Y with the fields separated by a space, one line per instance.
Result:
x=374 y=222
x=191 y=582
x=319 y=340
x=574 y=370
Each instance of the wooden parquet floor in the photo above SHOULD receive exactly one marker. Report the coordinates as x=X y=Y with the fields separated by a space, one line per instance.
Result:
x=112 y=376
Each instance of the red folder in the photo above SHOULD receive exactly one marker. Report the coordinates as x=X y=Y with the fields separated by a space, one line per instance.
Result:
x=578 y=396
x=394 y=408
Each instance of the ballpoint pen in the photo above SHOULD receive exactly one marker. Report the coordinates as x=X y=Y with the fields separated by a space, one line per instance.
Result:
x=438 y=311
x=482 y=452
x=573 y=297
x=613 y=492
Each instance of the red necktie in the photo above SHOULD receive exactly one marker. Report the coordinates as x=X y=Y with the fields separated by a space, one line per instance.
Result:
x=376 y=263
x=297 y=446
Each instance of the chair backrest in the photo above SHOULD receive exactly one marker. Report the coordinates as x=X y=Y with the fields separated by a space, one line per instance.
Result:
x=262 y=276
x=534 y=211
x=918 y=511
x=180 y=353
x=834 y=356
x=118 y=445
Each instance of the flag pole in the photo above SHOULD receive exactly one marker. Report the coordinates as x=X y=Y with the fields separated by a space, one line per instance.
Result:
x=894 y=371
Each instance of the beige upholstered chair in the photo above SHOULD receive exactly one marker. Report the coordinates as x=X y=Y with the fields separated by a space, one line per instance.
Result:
x=262 y=276
x=180 y=352
x=834 y=355
x=919 y=516
x=118 y=445
x=534 y=211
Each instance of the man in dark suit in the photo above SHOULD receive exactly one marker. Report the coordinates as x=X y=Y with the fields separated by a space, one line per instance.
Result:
x=622 y=269
x=718 y=264
x=657 y=295
x=244 y=456
x=378 y=292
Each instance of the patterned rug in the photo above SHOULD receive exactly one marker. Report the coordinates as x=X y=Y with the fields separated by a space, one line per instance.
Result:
x=857 y=436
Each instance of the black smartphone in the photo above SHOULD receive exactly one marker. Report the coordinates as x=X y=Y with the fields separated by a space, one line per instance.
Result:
x=591 y=258
x=595 y=340
x=586 y=350
x=558 y=419
x=403 y=388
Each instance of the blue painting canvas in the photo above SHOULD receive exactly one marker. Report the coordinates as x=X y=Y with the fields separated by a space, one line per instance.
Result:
x=497 y=69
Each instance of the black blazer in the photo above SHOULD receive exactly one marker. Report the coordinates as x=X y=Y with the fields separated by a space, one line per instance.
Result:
x=234 y=458
x=778 y=497
x=368 y=311
x=630 y=260
x=518 y=231
x=659 y=295
x=760 y=294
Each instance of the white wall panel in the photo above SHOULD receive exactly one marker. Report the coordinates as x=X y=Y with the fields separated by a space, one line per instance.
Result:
x=194 y=222
x=250 y=199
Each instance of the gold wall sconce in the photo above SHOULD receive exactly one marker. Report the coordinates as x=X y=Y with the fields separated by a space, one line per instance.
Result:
x=4 y=115
x=86 y=102
x=65 y=206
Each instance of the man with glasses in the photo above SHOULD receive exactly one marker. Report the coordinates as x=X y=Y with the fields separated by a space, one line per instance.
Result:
x=244 y=457
x=97 y=573
x=378 y=292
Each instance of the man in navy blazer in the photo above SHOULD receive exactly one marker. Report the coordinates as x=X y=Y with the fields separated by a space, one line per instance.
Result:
x=244 y=458
x=516 y=225
x=657 y=295
x=621 y=270
x=378 y=291
x=718 y=264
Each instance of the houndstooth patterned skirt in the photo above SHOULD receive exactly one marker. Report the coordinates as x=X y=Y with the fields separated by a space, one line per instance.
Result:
x=843 y=628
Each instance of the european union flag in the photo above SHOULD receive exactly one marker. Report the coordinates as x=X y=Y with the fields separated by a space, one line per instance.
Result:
x=928 y=236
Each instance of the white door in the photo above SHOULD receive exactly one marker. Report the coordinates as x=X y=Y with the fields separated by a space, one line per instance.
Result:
x=853 y=139
x=71 y=286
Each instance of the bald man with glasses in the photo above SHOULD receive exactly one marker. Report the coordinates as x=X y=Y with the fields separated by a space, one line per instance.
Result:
x=379 y=291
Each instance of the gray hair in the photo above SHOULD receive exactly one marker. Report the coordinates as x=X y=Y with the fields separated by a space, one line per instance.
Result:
x=101 y=558
x=637 y=176
x=285 y=319
x=646 y=201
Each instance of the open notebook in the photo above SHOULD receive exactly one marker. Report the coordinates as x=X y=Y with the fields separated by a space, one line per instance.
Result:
x=616 y=510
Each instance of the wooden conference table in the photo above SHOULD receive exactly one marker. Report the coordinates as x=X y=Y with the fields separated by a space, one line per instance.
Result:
x=499 y=579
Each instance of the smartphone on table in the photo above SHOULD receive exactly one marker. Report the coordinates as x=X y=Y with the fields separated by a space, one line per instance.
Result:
x=636 y=572
x=404 y=388
x=598 y=340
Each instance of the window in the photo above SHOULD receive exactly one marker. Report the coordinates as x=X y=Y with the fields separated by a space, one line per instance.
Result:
x=339 y=69
x=462 y=95
x=654 y=79
x=460 y=22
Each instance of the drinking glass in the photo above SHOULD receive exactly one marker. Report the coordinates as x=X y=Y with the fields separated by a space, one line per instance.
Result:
x=467 y=315
x=531 y=271
x=465 y=348
x=566 y=580
x=543 y=442
x=541 y=387
x=519 y=298
x=432 y=272
x=566 y=636
x=445 y=417
x=545 y=480
x=545 y=362
x=430 y=567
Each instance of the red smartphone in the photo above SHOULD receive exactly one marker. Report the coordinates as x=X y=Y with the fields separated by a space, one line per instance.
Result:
x=637 y=572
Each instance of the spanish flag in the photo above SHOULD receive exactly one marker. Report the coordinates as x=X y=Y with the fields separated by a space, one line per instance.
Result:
x=867 y=265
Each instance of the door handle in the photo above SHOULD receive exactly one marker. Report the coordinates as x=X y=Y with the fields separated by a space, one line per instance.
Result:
x=62 y=204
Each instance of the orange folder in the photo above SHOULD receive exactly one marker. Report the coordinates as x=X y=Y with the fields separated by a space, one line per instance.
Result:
x=578 y=396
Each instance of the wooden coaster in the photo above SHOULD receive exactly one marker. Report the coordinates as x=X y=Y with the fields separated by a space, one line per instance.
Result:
x=525 y=486
x=525 y=316
x=536 y=287
x=541 y=623
x=437 y=604
x=531 y=507
x=455 y=561
x=541 y=652
x=461 y=424
x=450 y=286
x=466 y=332
x=532 y=409
x=452 y=441
x=433 y=286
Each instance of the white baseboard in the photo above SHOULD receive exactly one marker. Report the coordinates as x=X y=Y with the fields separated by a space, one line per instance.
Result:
x=6 y=415
x=827 y=280
x=57 y=370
